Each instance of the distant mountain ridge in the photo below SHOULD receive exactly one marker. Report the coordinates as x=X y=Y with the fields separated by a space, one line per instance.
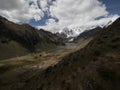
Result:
x=26 y=36
x=76 y=31
x=68 y=35
x=88 y=33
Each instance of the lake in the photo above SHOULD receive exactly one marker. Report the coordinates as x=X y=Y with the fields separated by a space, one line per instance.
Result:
x=68 y=46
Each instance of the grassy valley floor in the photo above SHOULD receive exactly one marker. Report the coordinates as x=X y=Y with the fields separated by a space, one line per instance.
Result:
x=15 y=72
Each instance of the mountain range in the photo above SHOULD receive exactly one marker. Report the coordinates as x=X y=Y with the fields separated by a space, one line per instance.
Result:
x=76 y=31
x=88 y=33
x=18 y=39
x=95 y=67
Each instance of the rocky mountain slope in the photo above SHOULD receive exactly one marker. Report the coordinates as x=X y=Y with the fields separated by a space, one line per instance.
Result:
x=88 y=33
x=76 y=31
x=75 y=34
x=63 y=36
x=18 y=40
x=95 y=67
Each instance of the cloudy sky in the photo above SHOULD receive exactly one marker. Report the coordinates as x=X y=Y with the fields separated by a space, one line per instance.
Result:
x=54 y=15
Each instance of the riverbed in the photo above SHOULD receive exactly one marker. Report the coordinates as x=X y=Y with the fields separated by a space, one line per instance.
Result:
x=67 y=46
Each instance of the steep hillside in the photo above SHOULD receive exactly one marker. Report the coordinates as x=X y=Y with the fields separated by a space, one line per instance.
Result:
x=88 y=33
x=95 y=67
x=62 y=36
x=19 y=39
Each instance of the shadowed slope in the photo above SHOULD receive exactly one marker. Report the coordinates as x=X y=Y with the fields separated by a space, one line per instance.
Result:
x=95 y=67
x=24 y=36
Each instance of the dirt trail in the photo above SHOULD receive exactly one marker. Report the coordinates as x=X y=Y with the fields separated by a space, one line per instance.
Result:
x=27 y=66
x=42 y=60
x=56 y=57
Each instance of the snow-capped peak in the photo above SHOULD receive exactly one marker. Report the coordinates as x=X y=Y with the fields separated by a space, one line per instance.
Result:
x=75 y=31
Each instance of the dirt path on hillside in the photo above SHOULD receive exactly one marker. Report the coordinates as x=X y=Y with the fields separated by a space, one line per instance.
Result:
x=23 y=68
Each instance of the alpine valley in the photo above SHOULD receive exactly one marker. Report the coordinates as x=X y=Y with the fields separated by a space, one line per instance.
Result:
x=32 y=59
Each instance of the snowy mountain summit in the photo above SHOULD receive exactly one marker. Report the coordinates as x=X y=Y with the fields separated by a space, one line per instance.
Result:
x=76 y=31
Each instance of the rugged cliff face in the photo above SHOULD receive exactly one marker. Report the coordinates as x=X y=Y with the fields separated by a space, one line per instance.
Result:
x=95 y=67
x=88 y=33
x=25 y=37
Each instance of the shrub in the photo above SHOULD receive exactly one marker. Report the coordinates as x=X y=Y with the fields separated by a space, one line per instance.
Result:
x=96 y=52
x=106 y=73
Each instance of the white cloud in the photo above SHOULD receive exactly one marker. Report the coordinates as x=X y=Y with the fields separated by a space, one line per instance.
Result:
x=44 y=5
x=73 y=13
x=20 y=11
x=70 y=13
x=15 y=10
